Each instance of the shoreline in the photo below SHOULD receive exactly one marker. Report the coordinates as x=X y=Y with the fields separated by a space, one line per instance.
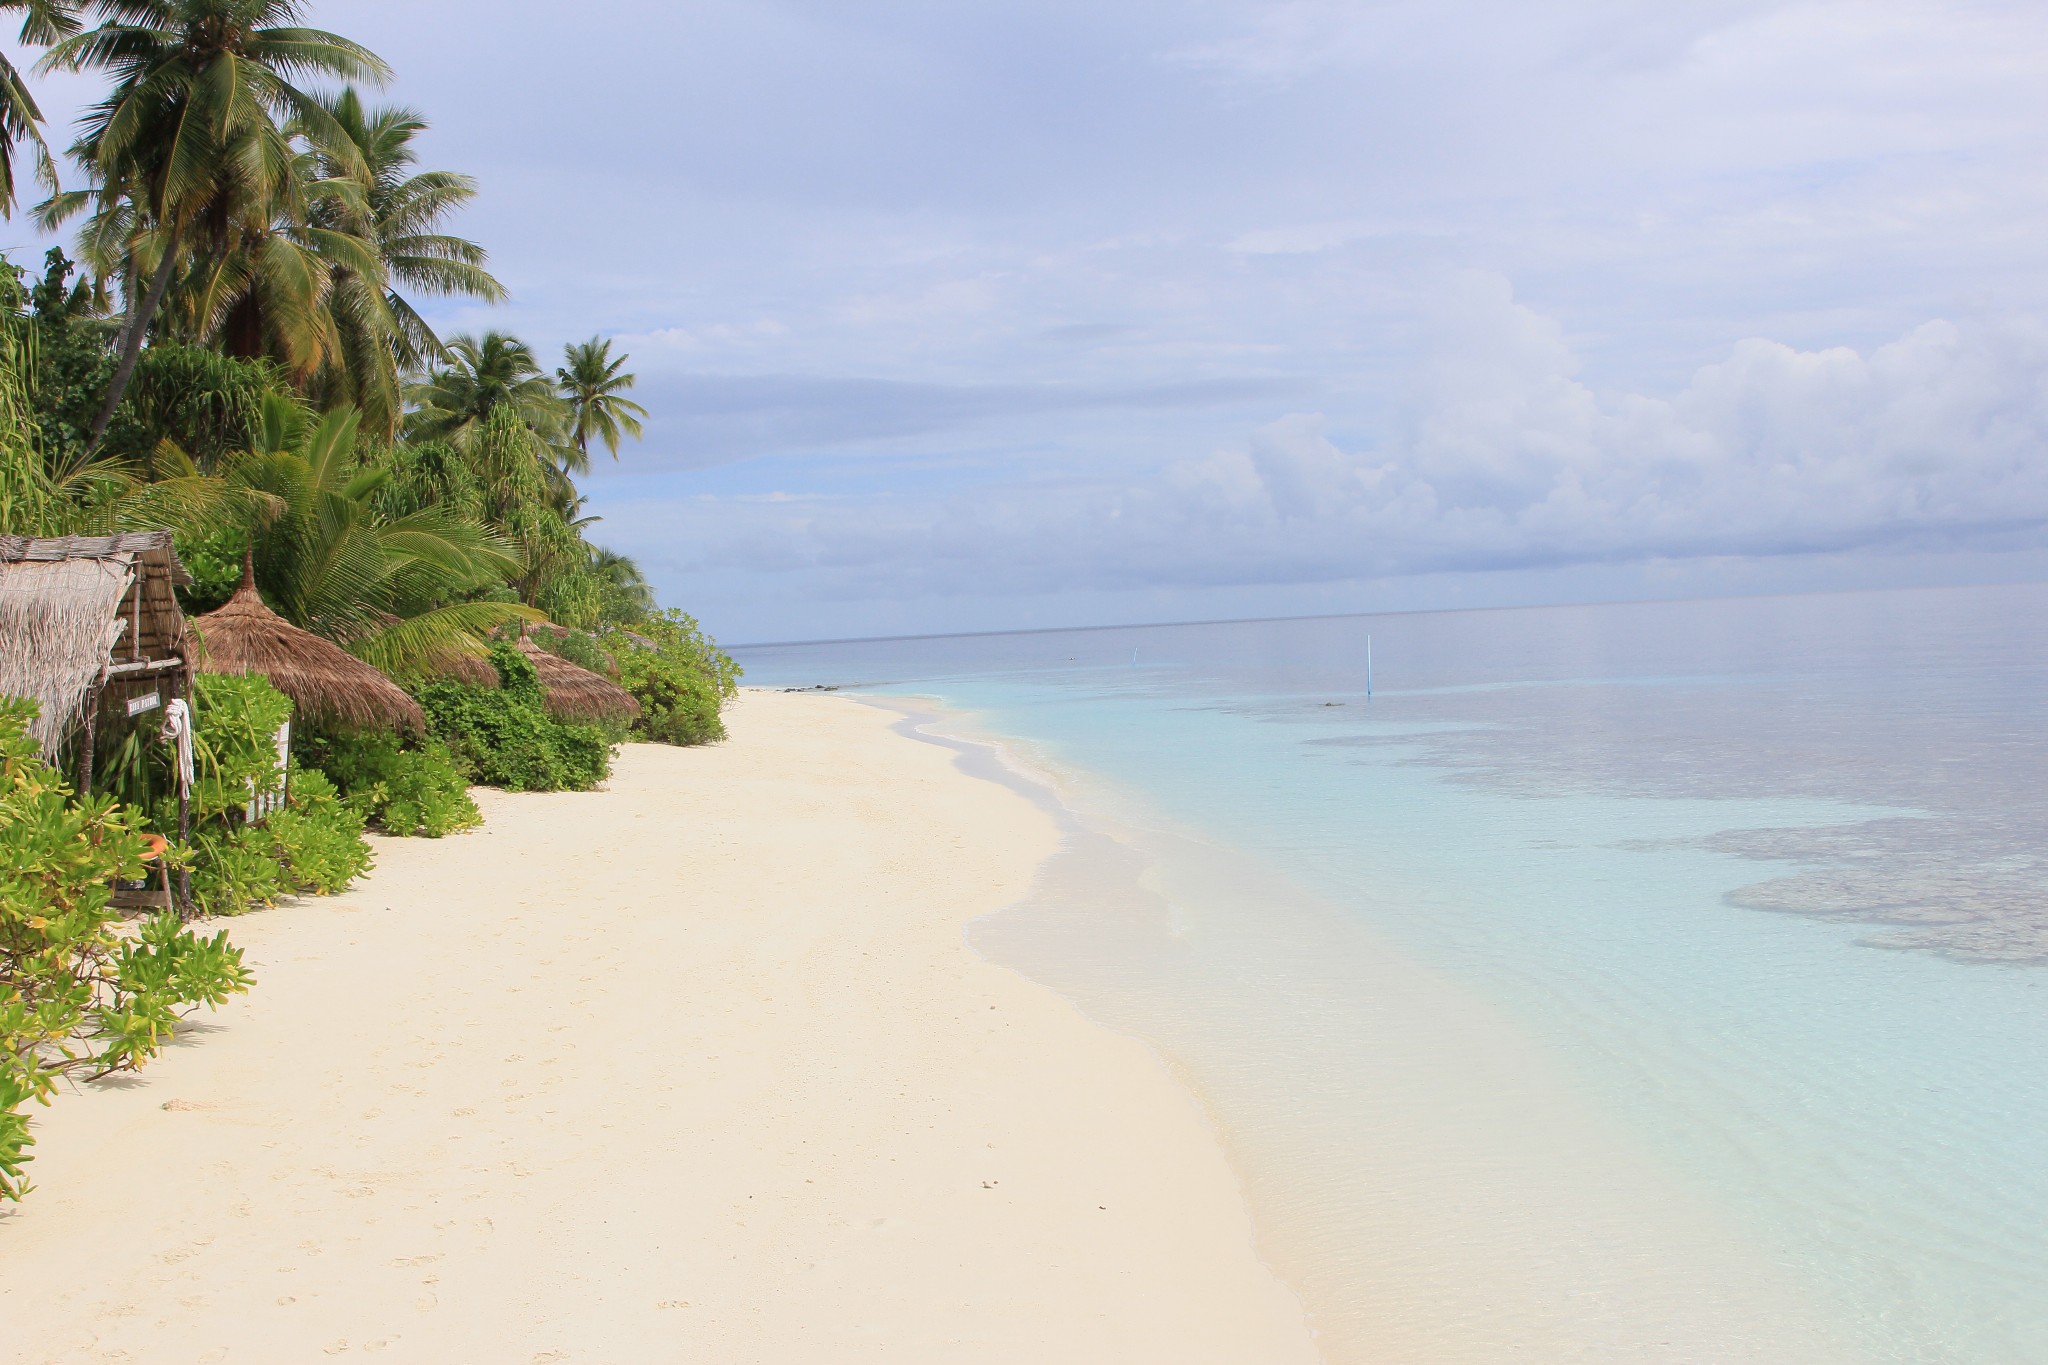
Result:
x=1470 y=1201
x=724 y=1090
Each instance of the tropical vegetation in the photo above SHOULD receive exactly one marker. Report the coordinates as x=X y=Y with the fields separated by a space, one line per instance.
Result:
x=235 y=346
x=80 y=996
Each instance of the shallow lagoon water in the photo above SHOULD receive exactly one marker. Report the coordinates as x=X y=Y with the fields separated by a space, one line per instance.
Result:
x=1472 y=978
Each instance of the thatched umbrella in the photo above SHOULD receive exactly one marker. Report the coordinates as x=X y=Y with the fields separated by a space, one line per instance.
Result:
x=467 y=668
x=327 y=684
x=577 y=693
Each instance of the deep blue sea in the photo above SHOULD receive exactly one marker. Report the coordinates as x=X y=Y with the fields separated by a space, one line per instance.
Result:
x=1646 y=982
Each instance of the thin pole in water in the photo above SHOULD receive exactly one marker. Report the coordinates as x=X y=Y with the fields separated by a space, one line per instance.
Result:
x=1134 y=658
x=1368 y=668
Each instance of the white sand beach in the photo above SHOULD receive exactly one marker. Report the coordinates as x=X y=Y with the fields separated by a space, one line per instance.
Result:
x=695 y=1068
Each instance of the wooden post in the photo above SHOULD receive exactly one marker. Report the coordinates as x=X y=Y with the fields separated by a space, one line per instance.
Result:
x=184 y=895
x=91 y=736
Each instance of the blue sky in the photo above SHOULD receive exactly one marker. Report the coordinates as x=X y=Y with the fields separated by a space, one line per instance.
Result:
x=1018 y=314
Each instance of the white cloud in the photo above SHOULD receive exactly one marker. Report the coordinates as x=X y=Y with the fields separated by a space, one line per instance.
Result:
x=1503 y=457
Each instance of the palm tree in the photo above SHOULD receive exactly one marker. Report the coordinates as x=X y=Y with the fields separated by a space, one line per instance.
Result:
x=190 y=142
x=42 y=22
x=401 y=212
x=286 y=285
x=594 y=385
x=624 y=591
x=391 y=589
x=482 y=373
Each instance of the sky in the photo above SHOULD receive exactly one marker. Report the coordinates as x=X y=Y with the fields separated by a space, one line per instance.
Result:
x=1002 y=315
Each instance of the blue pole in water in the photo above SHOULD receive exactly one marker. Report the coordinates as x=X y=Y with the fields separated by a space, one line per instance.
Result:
x=1368 y=668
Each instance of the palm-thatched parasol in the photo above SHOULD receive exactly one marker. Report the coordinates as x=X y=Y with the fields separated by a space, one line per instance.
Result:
x=576 y=693
x=467 y=668
x=327 y=684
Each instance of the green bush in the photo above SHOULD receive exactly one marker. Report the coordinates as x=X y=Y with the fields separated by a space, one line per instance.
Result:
x=504 y=737
x=235 y=718
x=318 y=838
x=78 y=996
x=405 y=791
x=580 y=648
x=214 y=560
x=681 y=683
x=314 y=844
x=234 y=870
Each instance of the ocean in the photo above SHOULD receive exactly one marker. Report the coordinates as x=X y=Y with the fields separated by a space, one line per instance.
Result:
x=1617 y=983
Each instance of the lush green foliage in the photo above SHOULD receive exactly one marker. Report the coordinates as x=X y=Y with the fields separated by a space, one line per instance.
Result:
x=679 y=677
x=405 y=791
x=236 y=719
x=78 y=995
x=503 y=736
x=399 y=590
x=239 y=362
x=314 y=844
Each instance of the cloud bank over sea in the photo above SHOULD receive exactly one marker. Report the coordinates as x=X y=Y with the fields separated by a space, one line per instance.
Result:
x=1499 y=457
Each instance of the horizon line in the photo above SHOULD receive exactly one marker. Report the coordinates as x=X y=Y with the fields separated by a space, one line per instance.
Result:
x=1354 y=615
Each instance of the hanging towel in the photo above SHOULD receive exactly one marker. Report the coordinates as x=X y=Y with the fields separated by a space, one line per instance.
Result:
x=178 y=730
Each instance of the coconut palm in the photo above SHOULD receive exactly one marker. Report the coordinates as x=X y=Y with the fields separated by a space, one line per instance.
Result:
x=482 y=373
x=624 y=591
x=189 y=146
x=593 y=383
x=42 y=22
x=285 y=285
x=401 y=211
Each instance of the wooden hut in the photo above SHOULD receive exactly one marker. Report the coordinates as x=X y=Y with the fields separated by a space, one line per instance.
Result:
x=575 y=693
x=327 y=684
x=91 y=630
x=91 y=625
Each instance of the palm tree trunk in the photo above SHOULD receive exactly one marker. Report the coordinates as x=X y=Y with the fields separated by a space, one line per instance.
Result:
x=131 y=340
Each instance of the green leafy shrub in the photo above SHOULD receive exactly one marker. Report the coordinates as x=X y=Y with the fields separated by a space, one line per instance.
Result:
x=581 y=648
x=681 y=679
x=504 y=737
x=318 y=838
x=78 y=995
x=214 y=560
x=235 y=722
x=313 y=844
x=405 y=791
x=234 y=870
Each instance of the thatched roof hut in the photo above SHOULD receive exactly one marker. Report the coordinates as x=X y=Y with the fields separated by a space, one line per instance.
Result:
x=327 y=684
x=83 y=618
x=576 y=693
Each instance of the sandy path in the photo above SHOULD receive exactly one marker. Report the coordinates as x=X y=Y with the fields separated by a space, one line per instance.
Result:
x=693 y=1069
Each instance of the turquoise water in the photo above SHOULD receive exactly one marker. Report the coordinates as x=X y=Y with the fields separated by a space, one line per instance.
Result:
x=1655 y=982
